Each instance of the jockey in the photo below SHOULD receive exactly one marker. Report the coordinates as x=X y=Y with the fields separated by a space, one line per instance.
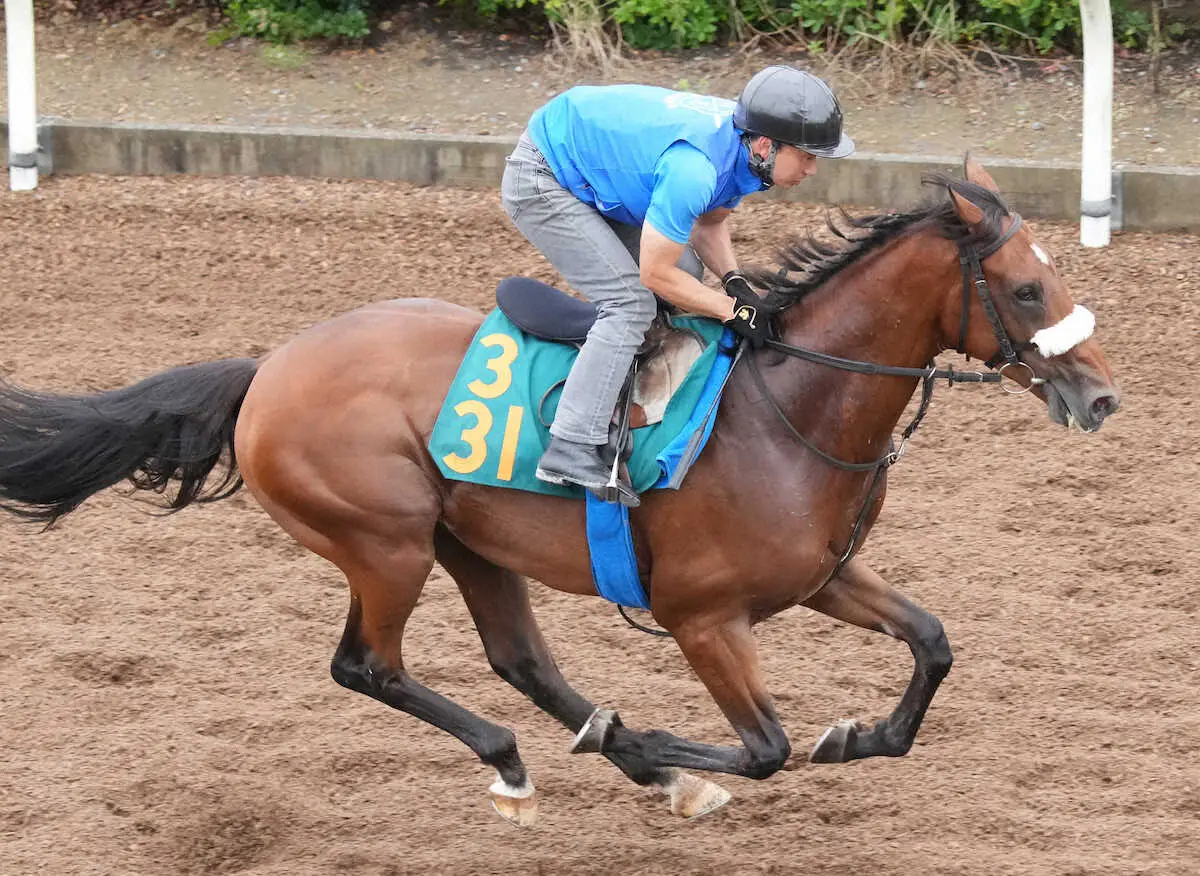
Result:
x=626 y=189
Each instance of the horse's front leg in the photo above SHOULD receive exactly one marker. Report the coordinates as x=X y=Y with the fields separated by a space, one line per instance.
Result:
x=724 y=656
x=861 y=597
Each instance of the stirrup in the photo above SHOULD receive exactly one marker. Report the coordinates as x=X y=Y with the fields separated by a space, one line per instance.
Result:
x=619 y=488
x=621 y=494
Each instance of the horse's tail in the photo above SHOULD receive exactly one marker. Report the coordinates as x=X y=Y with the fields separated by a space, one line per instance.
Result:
x=57 y=450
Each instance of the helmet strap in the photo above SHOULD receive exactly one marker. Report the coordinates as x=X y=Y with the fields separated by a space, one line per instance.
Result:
x=763 y=168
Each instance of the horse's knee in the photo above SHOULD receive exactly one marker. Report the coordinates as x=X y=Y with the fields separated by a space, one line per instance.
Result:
x=355 y=673
x=767 y=760
x=350 y=673
x=933 y=642
x=942 y=657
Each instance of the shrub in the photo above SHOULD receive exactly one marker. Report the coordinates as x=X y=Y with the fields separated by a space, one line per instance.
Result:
x=1050 y=23
x=668 y=24
x=1039 y=24
x=286 y=21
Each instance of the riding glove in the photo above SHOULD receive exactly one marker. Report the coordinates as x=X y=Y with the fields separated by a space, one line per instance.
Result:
x=752 y=317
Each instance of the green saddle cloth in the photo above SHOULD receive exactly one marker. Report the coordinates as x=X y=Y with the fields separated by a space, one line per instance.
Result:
x=494 y=423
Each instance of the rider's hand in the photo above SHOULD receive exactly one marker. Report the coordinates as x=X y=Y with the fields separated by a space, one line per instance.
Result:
x=738 y=287
x=752 y=315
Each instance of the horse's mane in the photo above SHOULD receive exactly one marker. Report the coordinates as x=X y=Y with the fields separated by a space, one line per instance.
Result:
x=806 y=263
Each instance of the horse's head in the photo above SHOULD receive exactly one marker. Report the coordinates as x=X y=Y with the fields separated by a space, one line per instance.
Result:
x=1036 y=329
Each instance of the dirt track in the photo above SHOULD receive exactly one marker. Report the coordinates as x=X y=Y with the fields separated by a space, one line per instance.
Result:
x=167 y=706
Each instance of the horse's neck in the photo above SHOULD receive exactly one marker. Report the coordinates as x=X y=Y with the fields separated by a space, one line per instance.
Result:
x=885 y=309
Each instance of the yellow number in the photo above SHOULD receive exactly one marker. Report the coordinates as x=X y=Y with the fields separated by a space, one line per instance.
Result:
x=499 y=364
x=508 y=450
x=474 y=436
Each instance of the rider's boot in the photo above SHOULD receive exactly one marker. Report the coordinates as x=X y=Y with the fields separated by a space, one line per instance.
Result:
x=569 y=462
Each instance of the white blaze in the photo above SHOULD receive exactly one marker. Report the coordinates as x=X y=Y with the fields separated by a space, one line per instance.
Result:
x=1041 y=254
x=1068 y=332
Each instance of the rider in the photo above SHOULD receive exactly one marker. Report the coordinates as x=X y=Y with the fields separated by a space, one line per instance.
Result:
x=626 y=190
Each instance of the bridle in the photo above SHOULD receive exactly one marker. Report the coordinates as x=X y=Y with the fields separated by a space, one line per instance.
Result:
x=971 y=258
x=971 y=261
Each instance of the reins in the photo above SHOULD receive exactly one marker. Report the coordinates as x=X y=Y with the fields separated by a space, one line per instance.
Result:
x=971 y=261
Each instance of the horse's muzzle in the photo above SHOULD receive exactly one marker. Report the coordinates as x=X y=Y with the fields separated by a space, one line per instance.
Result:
x=1085 y=407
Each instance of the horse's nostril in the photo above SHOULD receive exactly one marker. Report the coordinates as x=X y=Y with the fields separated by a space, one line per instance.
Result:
x=1104 y=406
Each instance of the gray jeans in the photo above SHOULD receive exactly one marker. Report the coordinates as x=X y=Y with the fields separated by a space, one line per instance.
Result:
x=599 y=258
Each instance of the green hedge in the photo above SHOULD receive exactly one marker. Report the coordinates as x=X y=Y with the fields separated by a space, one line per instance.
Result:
x=1038 y=25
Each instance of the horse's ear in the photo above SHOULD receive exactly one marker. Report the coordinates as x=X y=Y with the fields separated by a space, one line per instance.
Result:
x=967 y=211
x=975 y=173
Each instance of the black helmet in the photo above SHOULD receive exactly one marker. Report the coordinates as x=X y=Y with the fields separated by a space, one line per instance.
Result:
x=793 y=107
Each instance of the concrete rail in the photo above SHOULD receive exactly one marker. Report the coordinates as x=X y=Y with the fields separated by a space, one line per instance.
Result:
x=1147 y=198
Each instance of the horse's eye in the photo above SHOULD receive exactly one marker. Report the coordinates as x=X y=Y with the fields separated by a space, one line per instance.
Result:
x=1029 y=292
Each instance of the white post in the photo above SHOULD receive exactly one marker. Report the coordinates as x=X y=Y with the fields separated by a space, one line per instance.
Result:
x=1096 y=198
x=22 y=97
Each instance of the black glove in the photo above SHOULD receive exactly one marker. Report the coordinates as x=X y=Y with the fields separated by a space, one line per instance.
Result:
x=738 y=287
x=752 y=316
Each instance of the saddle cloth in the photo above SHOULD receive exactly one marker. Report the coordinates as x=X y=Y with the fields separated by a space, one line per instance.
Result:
x=494 y=426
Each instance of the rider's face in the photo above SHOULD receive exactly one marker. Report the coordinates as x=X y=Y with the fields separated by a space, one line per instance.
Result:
x=793 y=166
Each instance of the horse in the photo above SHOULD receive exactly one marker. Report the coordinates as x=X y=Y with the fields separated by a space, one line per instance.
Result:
x=329 y=433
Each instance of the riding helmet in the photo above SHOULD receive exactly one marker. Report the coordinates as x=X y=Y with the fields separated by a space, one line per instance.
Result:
x=794 y=107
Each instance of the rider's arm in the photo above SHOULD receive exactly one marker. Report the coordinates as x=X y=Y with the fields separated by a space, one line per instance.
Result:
x=710 y=239
x=665 y=279
x=684 y=184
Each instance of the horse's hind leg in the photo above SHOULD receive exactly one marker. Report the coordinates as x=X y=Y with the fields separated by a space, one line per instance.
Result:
x=861 y=597
x=499 y=603
x=368 y=660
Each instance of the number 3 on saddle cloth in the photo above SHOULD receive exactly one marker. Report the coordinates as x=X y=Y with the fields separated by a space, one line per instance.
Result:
x=494 y=423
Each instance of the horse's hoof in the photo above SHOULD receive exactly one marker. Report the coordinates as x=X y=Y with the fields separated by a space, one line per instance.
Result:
x=692 y=796
x=595 y=732
x=836 y=744
x=515 y=804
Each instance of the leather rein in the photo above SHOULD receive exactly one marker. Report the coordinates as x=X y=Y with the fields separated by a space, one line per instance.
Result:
x=971 y=260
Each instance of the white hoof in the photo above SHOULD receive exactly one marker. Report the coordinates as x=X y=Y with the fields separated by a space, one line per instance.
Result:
x=692 y=796
x=516 y=804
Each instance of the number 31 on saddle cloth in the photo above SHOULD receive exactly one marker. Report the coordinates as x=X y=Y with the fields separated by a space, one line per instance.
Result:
x=494 y=423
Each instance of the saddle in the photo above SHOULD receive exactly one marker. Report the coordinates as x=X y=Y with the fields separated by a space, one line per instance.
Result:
x=659 y=366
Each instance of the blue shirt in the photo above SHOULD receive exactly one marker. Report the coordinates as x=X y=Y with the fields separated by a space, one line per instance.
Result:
x=643 y=154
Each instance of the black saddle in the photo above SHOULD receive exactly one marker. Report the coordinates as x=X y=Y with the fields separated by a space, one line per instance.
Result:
x=553 y=315
x=543 y=311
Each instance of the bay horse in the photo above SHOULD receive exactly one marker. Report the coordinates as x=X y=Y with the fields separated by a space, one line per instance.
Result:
x=329 y=433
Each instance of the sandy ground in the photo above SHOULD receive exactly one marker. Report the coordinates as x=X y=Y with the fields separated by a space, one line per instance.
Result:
x=166 y=705
x=423 y=75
